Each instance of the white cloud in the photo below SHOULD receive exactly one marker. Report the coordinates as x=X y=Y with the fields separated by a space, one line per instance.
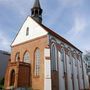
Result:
x=62 y=5
x=4 y=42
x=78 y=34
x=21 y=6
x=67 y=3
x=77 y=29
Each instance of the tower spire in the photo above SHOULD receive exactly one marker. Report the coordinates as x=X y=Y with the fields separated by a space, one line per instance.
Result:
x=36 y=11
x=37 y=4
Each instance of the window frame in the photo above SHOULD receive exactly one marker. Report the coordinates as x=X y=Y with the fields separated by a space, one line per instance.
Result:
x=63 y=60
x=37 y=60
x=27 y=31
x=17 y=56
x=26 y=57
x=54 y=66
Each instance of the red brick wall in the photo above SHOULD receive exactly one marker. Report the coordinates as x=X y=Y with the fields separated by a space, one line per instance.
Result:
x=30 y=46
x=55 y=80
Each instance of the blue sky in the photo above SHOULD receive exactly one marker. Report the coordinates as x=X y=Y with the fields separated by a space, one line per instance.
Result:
x=69 y=18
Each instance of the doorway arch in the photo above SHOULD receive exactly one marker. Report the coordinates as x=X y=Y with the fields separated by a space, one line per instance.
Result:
x=12 y=77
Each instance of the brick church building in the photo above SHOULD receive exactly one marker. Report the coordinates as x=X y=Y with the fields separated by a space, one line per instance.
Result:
x=43 y=60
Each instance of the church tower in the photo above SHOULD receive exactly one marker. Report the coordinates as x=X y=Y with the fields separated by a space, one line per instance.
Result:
x=36 y=12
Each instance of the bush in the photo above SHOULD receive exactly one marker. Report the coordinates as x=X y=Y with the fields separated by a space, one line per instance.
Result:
x=2 y=82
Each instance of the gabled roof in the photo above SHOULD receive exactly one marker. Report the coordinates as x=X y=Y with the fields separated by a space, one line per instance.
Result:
x=58 y=36
x=48 y=31
x=35 y=31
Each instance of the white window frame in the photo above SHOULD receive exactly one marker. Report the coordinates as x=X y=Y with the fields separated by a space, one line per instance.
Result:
x=26 y=57
x=63 y=59
x=17 y=56
x=37 y=62
x=27 y=31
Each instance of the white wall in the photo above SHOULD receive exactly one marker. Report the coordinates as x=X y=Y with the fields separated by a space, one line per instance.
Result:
x=76 y=86
x=75 y=70
x=47 y=70
x=35 y=30
x=80 y=74
x=69 y=76
x=61 y=73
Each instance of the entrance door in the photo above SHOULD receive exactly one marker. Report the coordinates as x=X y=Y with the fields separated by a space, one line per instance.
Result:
x=12 y=78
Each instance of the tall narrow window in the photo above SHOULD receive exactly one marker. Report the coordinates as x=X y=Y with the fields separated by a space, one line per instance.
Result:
x=53 y=57
x=71 y=61
x=37 y=62
x=69 y=53
x=62 y=52
x=75 y=59
x=63 y=59
x=27 y=31
x=17 y=57
x=26 y=57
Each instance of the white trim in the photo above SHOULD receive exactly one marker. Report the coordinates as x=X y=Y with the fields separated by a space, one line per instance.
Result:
x=47 y=70
x=53 y=56
x=69 y=75
x=76 y=86
x=61 y=74
x=35 y=30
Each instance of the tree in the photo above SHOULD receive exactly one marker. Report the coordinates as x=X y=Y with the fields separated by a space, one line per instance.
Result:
x=86 y=57
x=2 y=83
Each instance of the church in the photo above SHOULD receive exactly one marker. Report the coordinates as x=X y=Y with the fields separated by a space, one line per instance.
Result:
x=43 y=60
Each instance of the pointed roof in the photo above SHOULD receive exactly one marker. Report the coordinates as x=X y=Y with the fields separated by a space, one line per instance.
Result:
x=40 y=31
x=58 y=36
x=36 y=4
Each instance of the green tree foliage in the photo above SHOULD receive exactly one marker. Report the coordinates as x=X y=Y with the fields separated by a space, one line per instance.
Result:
x=2 y=82
x=87 y=56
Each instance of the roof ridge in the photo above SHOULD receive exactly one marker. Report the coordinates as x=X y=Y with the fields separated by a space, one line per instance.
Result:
x=57 y=35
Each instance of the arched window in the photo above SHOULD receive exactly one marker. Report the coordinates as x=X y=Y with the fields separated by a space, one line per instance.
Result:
x=70 y=57
x=37 y=62
x=26 y=57
x=70 y=60
x=63 y=59
x=17 y=57
x=53 y=57
x=62 y=52
x=75 y=58
x=12 y=78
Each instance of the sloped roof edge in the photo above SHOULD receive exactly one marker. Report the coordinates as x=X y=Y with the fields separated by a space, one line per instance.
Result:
x=58 y=36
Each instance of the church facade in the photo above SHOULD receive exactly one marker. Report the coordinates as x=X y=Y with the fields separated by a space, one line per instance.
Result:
x=43 y=60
